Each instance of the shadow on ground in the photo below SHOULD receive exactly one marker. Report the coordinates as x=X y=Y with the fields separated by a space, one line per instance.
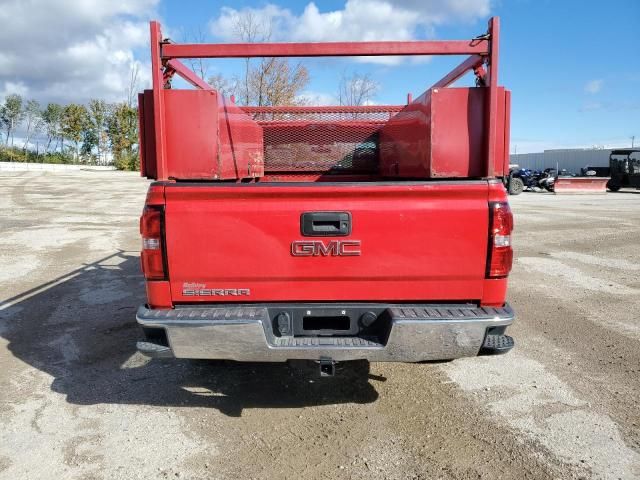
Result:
x=81 y=330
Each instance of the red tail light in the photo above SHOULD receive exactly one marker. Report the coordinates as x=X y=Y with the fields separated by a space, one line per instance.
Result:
x=500 y=255
x=152 y=257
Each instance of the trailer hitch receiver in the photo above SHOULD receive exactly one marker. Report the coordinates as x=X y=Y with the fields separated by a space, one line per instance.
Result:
x=327 y=367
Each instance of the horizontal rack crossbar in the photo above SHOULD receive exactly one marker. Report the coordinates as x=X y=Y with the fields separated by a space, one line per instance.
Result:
x=325 y=49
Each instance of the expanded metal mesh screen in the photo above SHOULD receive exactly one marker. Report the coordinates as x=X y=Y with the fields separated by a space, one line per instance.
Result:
x=321 y=139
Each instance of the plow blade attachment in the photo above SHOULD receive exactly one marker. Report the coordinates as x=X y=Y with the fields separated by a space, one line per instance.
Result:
x=580 y=185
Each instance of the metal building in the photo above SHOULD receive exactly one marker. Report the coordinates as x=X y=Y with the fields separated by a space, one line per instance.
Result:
x=573 y=159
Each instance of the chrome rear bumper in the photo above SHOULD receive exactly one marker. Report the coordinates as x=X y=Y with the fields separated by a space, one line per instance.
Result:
x=413 y=333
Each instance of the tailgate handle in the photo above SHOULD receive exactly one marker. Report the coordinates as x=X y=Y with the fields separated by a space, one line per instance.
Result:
x=325 y=224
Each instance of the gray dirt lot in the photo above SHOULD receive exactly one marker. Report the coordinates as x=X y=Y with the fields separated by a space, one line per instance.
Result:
x=77 y=401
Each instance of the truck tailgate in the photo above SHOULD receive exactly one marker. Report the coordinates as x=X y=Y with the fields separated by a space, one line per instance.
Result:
x=422 y=241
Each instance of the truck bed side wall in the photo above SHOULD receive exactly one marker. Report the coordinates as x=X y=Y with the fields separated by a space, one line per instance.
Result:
x=441 y=134
x=207 y=138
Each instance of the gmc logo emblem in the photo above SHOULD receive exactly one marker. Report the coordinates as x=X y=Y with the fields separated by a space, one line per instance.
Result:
x=318 y=248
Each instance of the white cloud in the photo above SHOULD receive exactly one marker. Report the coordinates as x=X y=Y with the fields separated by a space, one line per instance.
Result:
x=13 y=87
x=309 y=97
x=593 y=86
x=72 y=50
x=362 y=20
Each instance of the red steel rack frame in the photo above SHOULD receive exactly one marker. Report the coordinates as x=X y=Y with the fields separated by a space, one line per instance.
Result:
x=483 y=54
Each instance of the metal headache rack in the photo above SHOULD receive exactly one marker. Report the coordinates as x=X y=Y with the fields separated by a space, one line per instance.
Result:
x=201 y=135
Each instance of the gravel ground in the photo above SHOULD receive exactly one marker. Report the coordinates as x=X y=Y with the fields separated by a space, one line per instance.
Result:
x=77 y=401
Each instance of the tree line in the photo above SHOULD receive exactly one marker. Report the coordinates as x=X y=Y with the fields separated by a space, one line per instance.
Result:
x=107 y=133
x=97 y=133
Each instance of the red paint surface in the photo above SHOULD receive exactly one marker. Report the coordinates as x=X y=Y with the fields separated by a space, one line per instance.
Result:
x=420 y=242
x=241 y=149
x=441 y=134
x=148 y=159
x=155 y=115
x=423 y=242
x=159 y=294
x=207 y=138
x=325 y=49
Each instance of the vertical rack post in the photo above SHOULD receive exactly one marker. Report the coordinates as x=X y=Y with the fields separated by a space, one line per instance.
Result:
x=158 y=100
x=492 y=97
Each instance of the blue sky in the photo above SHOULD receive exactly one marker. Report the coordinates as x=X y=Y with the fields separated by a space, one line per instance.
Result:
x=573 y=66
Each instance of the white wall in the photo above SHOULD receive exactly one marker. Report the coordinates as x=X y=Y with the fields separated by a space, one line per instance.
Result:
x=571 y=159
x=49 y=167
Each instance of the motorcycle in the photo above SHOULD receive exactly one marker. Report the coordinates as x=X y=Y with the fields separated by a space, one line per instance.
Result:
x=547 y=178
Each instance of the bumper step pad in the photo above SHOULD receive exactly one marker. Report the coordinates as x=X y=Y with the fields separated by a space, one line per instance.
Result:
x=496 y=345
x=154 y=350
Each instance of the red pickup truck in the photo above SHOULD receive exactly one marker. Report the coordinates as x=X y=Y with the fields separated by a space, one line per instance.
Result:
x=326 y=233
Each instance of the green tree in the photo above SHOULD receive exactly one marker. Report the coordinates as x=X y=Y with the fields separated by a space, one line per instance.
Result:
x=97 y=130
x=89 y=142
x=11 y=115
x=51 y=117
x=122 y=130
x=74 y=123
x=33 y=121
